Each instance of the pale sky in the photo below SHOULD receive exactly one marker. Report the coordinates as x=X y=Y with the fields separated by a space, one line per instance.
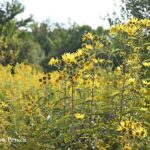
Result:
x=79 y=11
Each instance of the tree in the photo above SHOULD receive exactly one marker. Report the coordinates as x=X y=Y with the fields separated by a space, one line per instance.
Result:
x=9 y=10
x=16 y=44
x=138 y=8
x=29 y=50
x=40 y=33
x=128 y=9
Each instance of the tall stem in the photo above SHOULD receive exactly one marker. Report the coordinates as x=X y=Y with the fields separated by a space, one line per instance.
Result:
x=92 y=92
x=65 y=94
x=122 y=92
x=72 y=111
x=72 y=96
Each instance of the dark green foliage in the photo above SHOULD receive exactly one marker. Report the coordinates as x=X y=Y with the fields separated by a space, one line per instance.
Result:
x=37 y=43
x=138 y=8
x=9 y=10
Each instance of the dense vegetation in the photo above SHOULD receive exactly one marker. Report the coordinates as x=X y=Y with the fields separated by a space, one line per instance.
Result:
x=75 y=88
x=35 y=43
x=97 y=98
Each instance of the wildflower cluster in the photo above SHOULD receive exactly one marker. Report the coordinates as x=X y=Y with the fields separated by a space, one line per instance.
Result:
x=86 y=102
x=132 y=27
x=132 y=129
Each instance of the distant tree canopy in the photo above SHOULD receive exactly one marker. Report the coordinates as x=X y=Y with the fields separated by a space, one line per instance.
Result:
x=128 y=9
x=54 y=42
x=9 y=10
x=138 y=8
x=36 y=43
x=9 y=30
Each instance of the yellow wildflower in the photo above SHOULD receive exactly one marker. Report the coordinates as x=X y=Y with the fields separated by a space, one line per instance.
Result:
x=98 y=45
x=127 y=147
x=101 y=60
x=79 y=116
x=148 y=48
x=145 y=82
x=146 y=64
x=136 y=49
x=113 y=30
x=133 y=20
x=143 y=109
x=131 y=81
x=145 y=22
x=125 y=125
x=79 y=53
x=118 y=71
x=143 y=91
x=139 y=132
x=88 y=47
x=122 y=127
x=94 y=60
x=131 y=30
x=69 y=58
x=88 y=66
x=87 y=36
x=53 y=61
x=119 y=28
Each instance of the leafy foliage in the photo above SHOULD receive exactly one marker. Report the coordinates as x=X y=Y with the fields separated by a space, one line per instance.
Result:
x=88 y=102
x=138 y=8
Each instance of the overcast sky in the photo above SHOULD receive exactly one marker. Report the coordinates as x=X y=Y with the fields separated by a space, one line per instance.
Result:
x=79 y=11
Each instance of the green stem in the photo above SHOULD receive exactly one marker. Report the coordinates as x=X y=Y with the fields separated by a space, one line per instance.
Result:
x=65 y=94
x=72 y=111
x=122 y=93
x=92 y=93
x=72 y=97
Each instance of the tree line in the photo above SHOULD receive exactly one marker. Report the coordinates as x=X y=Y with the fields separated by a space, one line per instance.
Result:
x=35 y=43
